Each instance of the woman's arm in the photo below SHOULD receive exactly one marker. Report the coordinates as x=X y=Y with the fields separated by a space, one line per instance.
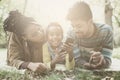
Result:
x=15 y=51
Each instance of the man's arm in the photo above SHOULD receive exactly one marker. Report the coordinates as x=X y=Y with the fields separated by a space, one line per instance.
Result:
x=108 y=47
x=102 y=59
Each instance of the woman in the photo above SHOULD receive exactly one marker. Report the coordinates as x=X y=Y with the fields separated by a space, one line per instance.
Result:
x=53 y=56
x=25 y=42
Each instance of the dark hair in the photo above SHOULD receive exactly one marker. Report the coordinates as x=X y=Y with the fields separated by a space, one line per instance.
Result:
x=16 y=22
x=80 y=10
x=53 y=24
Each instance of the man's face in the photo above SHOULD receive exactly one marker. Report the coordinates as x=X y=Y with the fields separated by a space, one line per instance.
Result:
x=81 y=28
x=54 y=36
x=34 y=33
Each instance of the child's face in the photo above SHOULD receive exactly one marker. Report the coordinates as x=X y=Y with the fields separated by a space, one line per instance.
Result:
x=55 y=36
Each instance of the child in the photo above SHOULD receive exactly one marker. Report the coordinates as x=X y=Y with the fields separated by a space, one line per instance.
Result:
x=51 y=50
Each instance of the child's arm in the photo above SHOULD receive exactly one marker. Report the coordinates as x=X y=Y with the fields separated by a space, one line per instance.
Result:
x=69 y=63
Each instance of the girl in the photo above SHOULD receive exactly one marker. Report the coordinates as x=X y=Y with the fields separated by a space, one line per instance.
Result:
x=52 y=54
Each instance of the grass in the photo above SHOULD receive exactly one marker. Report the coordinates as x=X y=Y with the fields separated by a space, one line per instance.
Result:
x=116 y=53
x=77 y=74
x=56 y=75
x=11 y=75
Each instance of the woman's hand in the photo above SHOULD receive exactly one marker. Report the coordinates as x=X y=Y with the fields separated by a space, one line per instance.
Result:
x=37 y=67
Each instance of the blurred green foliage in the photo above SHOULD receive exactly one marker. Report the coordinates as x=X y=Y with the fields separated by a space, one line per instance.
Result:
x=116 y=12
x=8 y=5
x=3 y=13
x=5 y=7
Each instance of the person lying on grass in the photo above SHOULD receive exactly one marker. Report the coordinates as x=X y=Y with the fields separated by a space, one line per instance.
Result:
x=26 y=38
x=94 y=41
x=53 y=55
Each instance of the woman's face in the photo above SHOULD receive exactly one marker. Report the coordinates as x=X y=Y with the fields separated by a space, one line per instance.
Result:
x=34 y=33
x=54 y=36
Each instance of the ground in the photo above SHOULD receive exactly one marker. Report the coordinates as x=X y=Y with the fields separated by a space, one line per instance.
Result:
x=9 y=73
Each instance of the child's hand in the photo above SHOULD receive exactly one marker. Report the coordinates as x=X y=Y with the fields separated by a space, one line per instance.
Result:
x=59 y=57
x=68 y=47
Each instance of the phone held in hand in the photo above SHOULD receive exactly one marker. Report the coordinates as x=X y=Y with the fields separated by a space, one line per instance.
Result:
x=67 y=42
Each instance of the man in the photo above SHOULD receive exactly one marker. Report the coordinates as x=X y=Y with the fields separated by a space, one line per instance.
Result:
x=93 y=42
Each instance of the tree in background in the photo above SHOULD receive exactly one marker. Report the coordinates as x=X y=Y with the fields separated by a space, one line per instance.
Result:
x=112 y=14
x=116 y=22
x=108 y=12
x=3 y=12
x=116 y=12
x=5 y=7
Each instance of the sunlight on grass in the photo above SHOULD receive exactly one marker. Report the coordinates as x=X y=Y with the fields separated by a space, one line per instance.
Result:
x=76 y=74
x=116 y=53
x=3 y=50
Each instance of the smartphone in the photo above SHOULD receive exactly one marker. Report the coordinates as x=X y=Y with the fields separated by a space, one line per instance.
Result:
x=68 y=42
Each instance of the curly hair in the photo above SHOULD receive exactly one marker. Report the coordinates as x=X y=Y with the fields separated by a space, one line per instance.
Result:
x=16 y=22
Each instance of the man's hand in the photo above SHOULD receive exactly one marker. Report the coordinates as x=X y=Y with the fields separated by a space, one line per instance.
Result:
x=37 y=67
x=96 y=61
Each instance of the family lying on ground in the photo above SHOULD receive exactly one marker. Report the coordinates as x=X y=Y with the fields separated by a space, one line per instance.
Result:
x=88 y=45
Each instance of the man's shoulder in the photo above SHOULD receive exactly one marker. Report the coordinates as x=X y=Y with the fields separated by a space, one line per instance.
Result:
x=104 y=27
